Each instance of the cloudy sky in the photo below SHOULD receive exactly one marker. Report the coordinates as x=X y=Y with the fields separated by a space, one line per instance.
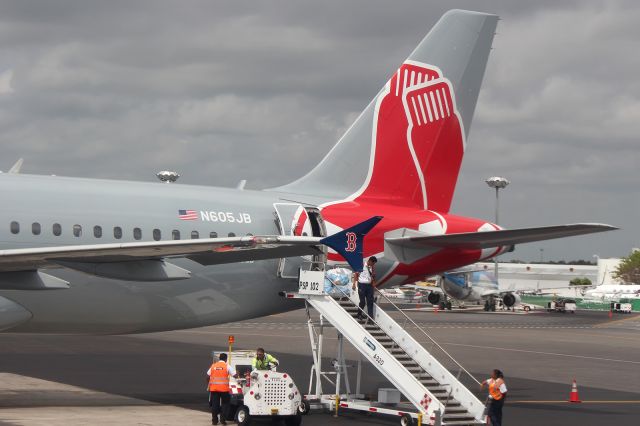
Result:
x=228 y=90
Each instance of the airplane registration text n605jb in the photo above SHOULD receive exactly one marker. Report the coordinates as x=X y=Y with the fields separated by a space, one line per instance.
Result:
x=101 y=256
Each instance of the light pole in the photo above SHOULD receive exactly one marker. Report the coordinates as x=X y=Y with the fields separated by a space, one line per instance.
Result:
x=498 y=183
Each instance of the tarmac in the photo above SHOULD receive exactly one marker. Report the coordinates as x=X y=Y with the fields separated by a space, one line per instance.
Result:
x=158 y=378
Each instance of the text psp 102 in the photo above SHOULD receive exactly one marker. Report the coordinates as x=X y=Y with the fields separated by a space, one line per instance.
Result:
x=311 y=282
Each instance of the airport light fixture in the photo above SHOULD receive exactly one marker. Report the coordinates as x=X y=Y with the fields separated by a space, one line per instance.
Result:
x=498 y=183
x=167 y=176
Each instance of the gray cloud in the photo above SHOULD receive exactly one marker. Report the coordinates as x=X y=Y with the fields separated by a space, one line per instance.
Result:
x=223 y=91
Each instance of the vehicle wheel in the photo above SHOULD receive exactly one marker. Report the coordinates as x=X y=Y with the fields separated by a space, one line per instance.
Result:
x=294 y=420
x=441 y=306
x=527 y=308
x=304 y=407
x=243 y=418
x=448 y=306
x=406 y=420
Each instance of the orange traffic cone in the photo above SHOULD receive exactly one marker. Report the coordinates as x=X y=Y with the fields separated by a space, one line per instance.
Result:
x=573 y=396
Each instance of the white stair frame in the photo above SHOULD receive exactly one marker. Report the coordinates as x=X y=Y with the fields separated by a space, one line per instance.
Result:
x=378 y=355
x=427 y=362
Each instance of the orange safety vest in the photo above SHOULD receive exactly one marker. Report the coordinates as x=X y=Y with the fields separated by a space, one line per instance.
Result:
x=219 y=378
x=494 y=389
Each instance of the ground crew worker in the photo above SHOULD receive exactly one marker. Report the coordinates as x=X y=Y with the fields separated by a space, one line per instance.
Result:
x=263 y=360
x=218 y=379
x=366 y=283
x=497 y=394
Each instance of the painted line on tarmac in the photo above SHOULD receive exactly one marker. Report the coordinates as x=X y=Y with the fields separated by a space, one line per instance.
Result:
x=607 y=324
x=543 y=353
x=278 y=326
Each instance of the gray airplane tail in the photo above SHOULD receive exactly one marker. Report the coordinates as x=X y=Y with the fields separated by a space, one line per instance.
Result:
x=407 y=145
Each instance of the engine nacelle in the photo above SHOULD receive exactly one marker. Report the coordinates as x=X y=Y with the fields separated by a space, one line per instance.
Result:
x=434 y=298
x=511 y=299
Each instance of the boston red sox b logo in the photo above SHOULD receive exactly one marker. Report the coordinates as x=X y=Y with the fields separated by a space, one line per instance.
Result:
x=351 y=242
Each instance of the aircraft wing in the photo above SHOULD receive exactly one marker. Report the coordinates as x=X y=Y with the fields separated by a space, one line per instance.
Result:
x=207 y=251
x=151 y=261
x=407 y=245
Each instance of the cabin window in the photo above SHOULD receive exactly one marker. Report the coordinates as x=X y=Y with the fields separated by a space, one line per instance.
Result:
x=35 y=228
x=157 y=235
x=15 y=227
x=195 y=235
x=97 y=231
x=137 y=233
x=57 y=229
x=77 y=230
x=213 y=234
x=232 y=234
x=117 y=232
x=175 y=234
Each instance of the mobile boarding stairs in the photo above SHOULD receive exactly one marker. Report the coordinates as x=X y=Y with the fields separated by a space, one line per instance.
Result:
x=438 y=396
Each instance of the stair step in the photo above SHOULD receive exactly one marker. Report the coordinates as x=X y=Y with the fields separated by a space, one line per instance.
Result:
x=463 y=423
x=455 y=410
x=456 y=416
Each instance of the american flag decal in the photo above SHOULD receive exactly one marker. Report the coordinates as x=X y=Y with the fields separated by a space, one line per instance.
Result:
x=187 y=215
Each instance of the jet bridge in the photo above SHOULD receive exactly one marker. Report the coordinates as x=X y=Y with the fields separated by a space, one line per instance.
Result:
x=438 y=396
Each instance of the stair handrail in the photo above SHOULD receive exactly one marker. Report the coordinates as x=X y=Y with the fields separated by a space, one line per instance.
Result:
x=407 y=317
x=373 y=321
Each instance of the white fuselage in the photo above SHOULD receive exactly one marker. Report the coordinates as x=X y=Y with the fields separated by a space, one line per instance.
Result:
x=614 y=292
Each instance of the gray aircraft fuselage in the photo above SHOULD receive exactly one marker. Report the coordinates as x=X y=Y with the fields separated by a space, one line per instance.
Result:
x=214 y=294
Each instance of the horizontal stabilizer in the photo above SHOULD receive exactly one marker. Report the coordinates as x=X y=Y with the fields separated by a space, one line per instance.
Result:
x=407 y=246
